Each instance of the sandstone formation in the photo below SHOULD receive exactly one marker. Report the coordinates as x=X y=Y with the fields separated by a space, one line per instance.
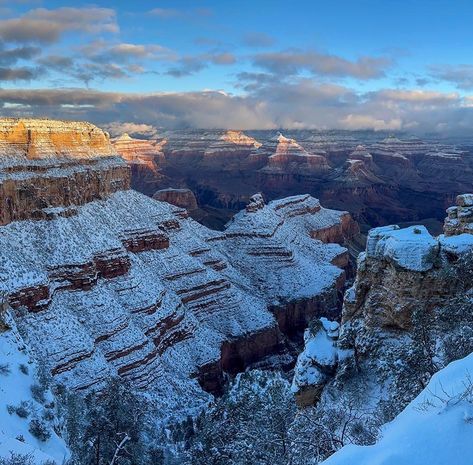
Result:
x=379 y=179
x=107 y=281
x=145 y=159
x=406 y=316
x=33 y=139
x=183 y=198
x=48 y=168
x=287 y=156
x=139 y=150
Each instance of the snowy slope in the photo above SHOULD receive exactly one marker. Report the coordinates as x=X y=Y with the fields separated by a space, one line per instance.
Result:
x=19 y=373
x=435 y=428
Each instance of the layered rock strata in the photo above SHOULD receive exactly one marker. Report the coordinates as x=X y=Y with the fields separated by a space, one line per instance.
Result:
x=407 y=315
x=460 y=217
x=126 y=285
x=379 y=179
x=183 y=198
x=48 y=168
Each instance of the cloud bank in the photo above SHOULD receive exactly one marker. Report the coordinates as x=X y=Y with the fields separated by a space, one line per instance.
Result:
x=300 y=105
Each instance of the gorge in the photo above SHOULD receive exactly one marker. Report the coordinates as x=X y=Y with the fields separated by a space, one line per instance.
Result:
x=101 y=282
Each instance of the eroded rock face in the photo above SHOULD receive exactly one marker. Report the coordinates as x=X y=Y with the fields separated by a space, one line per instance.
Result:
x=170 y=292
x=405 y=317
x=288 y=156
x=121 y=284
x=48 y=167
x=379 y=179
x=33 y=139
x=460 y=217
x=183 y=198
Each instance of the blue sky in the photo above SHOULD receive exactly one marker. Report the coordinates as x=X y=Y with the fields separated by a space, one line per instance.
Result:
x=349 y=64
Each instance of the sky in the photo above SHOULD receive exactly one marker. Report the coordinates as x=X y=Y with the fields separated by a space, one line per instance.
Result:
x=145 y=65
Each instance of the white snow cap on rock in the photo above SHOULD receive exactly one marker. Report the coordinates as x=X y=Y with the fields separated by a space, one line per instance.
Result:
x=319 y=355
x=412 y=248
x=465 y=200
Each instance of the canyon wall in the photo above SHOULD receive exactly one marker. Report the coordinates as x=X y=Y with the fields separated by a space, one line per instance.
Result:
x=110 y=282
x=407 y=315
x=379 y=179
x=47 y=168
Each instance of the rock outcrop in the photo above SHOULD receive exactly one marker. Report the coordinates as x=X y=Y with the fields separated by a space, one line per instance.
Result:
x=145 y=158
x=380 y=180
x=116 y=283
x=33 y=139
x=288 y=156
x=406 y=316
x=48 y=168
x=183 y=198
x=460 y=217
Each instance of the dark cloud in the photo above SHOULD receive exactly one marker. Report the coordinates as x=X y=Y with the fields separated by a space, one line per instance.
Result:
x=300 y=104
x=19 y=74
x=46 y=26
x=189 y=65
x=57 y=62
x=251 y=82
x=421 y=81
x=258 y=39
x=9 y=56
x=461 y=75
x=293 y=62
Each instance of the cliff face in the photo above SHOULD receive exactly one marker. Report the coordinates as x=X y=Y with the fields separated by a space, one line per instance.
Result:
x=407 y=315
x=47 y=168
x=183 y=198
x=112 y=282
x=41 y=139
x=379 y=179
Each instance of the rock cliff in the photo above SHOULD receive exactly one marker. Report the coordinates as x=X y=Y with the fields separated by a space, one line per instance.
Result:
x=183 y=198
x=48 y=168
x=33 y=139
x=379 y=179
x=110 y=282
x=407 y=315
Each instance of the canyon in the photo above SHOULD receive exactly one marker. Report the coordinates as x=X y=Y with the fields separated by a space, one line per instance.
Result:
x=100 y=281
x=380 y=178
x=407 y=316
x=103 y=281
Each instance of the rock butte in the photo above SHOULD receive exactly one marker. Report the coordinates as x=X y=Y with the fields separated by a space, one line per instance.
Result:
x=49 y=168
x=380 y=180
x=183 y=198
x=105 y=281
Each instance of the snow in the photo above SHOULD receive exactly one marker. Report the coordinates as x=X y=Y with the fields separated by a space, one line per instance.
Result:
x=412 y=248
x=319 y=353
x=267 y=258
x=465 y=200
x=14 y=389
x=457 y=244
x=435 y=428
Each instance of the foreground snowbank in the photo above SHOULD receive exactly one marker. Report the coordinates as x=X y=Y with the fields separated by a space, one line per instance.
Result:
x=22 y=401
x=435 y=428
